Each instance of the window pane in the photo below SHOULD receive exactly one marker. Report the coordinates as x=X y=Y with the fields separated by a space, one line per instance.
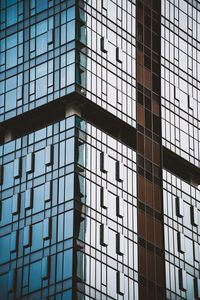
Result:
x=12 y=15
x=11 y=58
x=70 y=74
x=10 y=100
x=41 y=5
x=41 y=44
x=41 y=87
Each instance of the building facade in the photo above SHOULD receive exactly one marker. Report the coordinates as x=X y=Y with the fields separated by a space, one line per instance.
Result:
x=99 y=149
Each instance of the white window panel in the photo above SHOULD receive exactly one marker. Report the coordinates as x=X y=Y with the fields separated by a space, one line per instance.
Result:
x=181 y=242
x=120 y=207
x=179 y=207
x=120 y=243
x=197 y=288
x=119 y=171
x=120 y=283
x=119 y=55
x=182 y=280
x=104 y=198
x=104 y=162
x=194 y=216
x=104 y=45
x=104 y=235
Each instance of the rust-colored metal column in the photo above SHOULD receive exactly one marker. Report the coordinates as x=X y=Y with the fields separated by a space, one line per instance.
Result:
x=149 y=156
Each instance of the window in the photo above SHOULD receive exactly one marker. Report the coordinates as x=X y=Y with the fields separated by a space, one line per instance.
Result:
x=45 y=267
x=104 y=162
x=104 y=45
x=120 y=242
x=29 y=198
x=104 y=235
x=119 y=171
x=120 y=283
x=29 y=162
x=179 y=207
x=13 y=241
x=15 y=203
x=17 y=167
x=11 y=58
x=120 y=207
x=46 y=228
x=104 y=198
x=182 y=280
x=41 y=5
x=27 y=236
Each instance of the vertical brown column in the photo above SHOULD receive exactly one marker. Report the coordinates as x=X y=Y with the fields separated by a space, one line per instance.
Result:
x=149 y=158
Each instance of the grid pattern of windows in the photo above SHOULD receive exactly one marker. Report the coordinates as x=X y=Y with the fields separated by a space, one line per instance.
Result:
x=181 y=222
x=37 y=57
x=106 y=72
x=39 y=63
x=180 y=56
x=65 y=214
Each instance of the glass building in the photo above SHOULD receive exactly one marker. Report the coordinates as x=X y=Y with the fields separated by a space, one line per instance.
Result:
x=99 y=149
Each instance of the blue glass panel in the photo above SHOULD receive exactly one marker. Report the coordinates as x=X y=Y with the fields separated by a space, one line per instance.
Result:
x=41 y=87
x=5 y=246
x=70 y=144
x=41 y=70
x=39 y=163
x=62 y=154
x=41 y=5
x=71 y=74
x=38 y=199
x=41 y=44
x=71 y=57
x=11 y=83
x=11 y=58
x=6 y=212
x=35 y=276
x=71 y=13
x=68 y=224
x=63 y=34
x=60 y=227
x=59 y=266
x=37 y=241
x=70 y=31
x=70 y=122
x=11 y=15
x=8 y=175
x=11 y=2
x=67 y=295
x=3 y=4
x=61 y=190
x=67 y=270
x=3 y=286
x=40 y=134
x=41 y=27
x=25 y=275
x=11 y=98
x=11 y=41
x=9 y=147
x=69 y=187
